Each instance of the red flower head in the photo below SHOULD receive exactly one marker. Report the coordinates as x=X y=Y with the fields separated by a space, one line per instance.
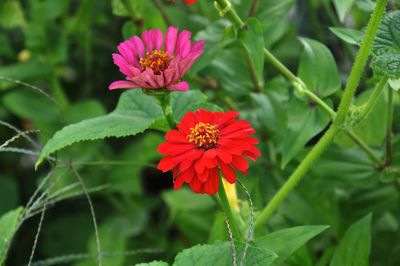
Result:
x=190 y=2
x=154 y=62
x=205 y=143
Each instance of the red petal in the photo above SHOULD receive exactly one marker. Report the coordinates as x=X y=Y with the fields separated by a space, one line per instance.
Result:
x=226 y=118
x=195 y=185
x=178 y=182
x=224 y=156
x=236 y=126
x=240 y=163
x=172 y=148
x=212 y=184
x=228 y=173
x=188 y=121
x=200 y=165
x=184 y=165
x=203 y=176
x=176 y=137
x=165 y=164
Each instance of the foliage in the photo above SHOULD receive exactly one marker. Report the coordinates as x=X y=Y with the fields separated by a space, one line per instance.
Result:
x=82 y=160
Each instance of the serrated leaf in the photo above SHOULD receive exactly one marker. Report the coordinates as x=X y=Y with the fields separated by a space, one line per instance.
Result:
x=135 y=112
x=253 y=41
x=343 y=7
x=287 y=241
x=354 y=247
x=350 y=36
x=8 y=225
x=221 y=254
x=388 y=64
x=386 y=47
x=318 y=69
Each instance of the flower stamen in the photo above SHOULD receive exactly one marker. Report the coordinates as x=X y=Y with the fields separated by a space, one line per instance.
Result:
x=204 y=135
x=157 y=60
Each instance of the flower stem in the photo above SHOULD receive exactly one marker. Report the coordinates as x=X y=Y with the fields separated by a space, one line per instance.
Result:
x=228 y=211
x=329 y=135
x=389 y=150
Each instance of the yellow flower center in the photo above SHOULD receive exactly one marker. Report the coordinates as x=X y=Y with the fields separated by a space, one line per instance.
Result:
x=158 y=60
x=204 y=135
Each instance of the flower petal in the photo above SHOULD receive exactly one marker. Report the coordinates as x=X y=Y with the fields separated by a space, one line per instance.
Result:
x=170 y=40
x=181 y=86
x=122 y=84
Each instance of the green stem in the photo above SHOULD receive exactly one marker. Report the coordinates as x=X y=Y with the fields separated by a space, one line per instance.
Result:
x=344 y=106
x=373 y=98
x=228 y=211
x=364 y=146
x=281 y=67
x=231 y=14
x=389 y=150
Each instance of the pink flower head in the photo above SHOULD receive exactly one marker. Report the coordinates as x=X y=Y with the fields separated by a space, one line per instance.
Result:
x=154 y=62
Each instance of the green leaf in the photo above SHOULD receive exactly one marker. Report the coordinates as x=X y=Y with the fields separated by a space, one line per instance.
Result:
x=269 y=111
x=153 y=263
x=304 y=122
x=221 y=254
x=318 y=69
x=355 y=246
x=350 y=36
x=372 y=129
x=343 y=7
x=135 y=113
x=11 y=14
x=285 y=242
x=253 y=41
x=386 y=47
x=181 y=103
x=8 y=225
x=273 y=16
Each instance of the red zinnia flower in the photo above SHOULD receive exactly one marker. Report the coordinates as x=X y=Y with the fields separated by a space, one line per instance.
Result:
x=205 y=143
x=190 y=2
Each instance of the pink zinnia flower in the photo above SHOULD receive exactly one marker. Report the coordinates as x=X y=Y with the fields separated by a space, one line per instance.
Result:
x=153 y=62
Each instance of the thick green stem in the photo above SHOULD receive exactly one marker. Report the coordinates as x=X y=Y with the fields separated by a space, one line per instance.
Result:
x=228 y=211
x=389 y=149
x=373 y=98
x=360 y=62
x=344 y=106
x=295 y=178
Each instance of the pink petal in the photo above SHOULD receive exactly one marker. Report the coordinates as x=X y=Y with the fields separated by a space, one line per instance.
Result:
x=122 y=84
x=181 y=86
x=138 y=45
x=148 y=43
x=122 y=64
x=198 y=46
x=157 y=37
x=127 y=51
x=170 y=40
x=183 y=43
